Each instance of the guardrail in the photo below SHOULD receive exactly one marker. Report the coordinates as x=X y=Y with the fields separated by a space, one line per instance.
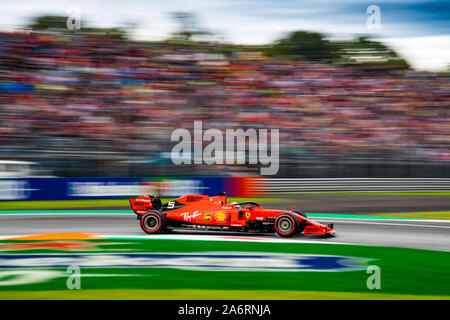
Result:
x=295 y=185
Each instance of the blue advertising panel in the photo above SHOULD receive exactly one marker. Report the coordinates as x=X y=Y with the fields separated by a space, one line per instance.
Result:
x=105 y=188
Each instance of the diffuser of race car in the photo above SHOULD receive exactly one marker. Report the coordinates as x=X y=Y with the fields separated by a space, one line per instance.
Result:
x=202 y=212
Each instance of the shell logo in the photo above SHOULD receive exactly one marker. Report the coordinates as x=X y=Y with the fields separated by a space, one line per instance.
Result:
x=221 y=216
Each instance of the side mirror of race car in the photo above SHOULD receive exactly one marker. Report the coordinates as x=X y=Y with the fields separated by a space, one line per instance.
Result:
x=223 y=194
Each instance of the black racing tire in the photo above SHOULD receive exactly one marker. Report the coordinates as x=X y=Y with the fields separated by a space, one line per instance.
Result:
x=300 y=213
x=153 y=222
x=286 y=224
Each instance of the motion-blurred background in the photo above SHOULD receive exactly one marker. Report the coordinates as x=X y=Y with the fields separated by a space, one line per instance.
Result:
x=90 y=90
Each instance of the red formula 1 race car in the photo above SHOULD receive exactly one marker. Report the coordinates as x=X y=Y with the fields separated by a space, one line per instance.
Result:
x=201 y=212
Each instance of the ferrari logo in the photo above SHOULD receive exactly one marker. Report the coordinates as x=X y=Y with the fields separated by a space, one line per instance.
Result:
x=207 y=217
x=247 y=215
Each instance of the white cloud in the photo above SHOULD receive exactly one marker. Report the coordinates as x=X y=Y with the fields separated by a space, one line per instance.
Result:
x=424 y=53
x=250 y=21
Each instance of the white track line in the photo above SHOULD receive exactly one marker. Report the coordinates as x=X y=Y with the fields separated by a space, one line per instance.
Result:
x=238 y=238
x=197 y=237
x=388 y=223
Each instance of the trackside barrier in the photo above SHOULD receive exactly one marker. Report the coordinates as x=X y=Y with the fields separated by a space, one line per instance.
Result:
x=22 y=189
x=297 y=185
x=116 y=188
x=104 y=188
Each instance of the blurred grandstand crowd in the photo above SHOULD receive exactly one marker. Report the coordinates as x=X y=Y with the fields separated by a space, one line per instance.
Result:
x=88 y=97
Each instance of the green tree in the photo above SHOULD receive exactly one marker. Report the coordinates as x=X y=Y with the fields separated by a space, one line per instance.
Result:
x=49 y=22
x=303 y=44
x=59 y=24
x=365 y=52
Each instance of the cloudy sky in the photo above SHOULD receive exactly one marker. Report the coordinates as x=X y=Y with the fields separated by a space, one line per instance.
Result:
x=418 y=30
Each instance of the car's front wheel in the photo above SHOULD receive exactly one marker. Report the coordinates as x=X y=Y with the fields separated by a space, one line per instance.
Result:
x=300 y=213
x=153 y=222
x=286 y=224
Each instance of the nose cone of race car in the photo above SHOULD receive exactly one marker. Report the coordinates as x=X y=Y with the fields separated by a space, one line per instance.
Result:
x=313 y=227
x=329 y=229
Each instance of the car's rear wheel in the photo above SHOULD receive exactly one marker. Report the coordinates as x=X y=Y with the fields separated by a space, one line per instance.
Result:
x=286 y=224
x=153 y=222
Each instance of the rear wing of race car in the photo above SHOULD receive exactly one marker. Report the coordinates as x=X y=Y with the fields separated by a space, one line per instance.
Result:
x=141 y=204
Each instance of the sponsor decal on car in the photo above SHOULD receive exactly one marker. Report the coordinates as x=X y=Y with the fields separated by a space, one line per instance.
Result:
x=221 y=216
x=188 y=216
x=207 y=217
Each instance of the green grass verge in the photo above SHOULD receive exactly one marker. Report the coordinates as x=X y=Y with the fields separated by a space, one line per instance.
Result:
x=65 y=204
x=404 y=271
x=134 y=294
